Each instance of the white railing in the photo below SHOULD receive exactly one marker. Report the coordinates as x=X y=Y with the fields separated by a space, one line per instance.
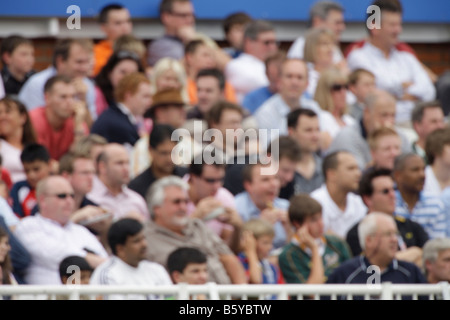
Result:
x=384 y=291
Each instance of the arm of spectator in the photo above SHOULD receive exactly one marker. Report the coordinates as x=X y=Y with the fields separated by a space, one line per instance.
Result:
x=422 y=86
x=234 y=268
x=254 y=267
x=317 y=273
x=94 y=260
x=411 y=254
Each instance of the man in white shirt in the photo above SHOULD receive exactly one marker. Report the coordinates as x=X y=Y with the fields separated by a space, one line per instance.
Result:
x=248 y=71
x=324 y=14
x=342 y=208
x=128 y=265
x=398 y=72
x=50 y=236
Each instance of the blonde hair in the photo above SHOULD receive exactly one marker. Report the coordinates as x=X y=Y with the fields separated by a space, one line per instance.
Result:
x=259 y=228
x=312 y=40
x=327 y=79
x=165 y=64
x=377 y=134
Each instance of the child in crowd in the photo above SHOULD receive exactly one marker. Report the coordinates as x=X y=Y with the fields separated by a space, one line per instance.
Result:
x=74 y=270
x=36 y=162
x=361 y=83
x=17 y=56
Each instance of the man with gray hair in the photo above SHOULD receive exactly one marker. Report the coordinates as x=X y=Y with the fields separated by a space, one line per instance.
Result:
x=378 y=239
x=248 y=71
x=323 y=14
x=379 y=112
x=171 y=228
x=436 y=260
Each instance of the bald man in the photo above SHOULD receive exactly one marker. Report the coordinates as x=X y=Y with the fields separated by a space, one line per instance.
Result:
x=50 y=236
x=110 y=189
x=379 y=112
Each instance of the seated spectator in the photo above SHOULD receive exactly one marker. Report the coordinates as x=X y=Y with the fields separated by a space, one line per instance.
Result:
x=133 y=44
x=110 y=189
x=119 y=64
x=385 y=146
x=115 y=21
x=128 y=264
x=260 y=200
x=16 y=131
x=376 y=189
x=50 y=236
x=425 y=117
x=378 y=238
x=72 y=58
x=120 y=122
x=436 y=257
x=437 y=150
x=17 y=56
x=312 y=255
x=171 y=228
x=233 y=28
x=361 y=82
x=303 y=127
x=35 y=159
x=412 y=202
x=61 y=121
x=256 y=244
x=247 y=72
x=75 y=270
x=6 y=267
x=160 y=148
x=341 y=207
x=91 y=145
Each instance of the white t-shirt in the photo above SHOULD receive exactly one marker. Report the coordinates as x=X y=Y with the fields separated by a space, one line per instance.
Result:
x=431 y=185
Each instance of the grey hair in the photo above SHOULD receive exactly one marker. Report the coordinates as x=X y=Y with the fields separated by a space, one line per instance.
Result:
x=322 y=8
x=254 y=28
x=432 y=248
x=156 y=193
x=373 y=97
x=368 y=226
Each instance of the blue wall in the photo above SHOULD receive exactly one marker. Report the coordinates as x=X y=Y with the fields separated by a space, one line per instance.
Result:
x=434 y=11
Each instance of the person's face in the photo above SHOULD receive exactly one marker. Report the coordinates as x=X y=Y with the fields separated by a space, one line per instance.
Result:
x=230 y=122
x=391 y=28
x=364 y=86
x=36 y=171
x=21 y=60
x=433 y=118
x=265 y=45
x=194 y=273
x=314 y=224
x=383 y=244
x=324 y=51
x=339 y=96
x=168 y=80
x=202 y=58
x=208 y=93
x=54 y=207
x=161 y=157
x=383 y=196
x=122 y=69
x=235 y=36
x=286 y=171
x=10 y=119
x=440 y=269
x=171 y=114
x=118 y=24
x=140 y=101
x=181 y=15
x=82 y=176
x=307 y=133
x=335 y=22
x=293 y=79
x=386 y=150
x=117 y=167
x=78 y=63
x=61 y=100
x=210 y=181
x=348 y=172
x=263 y=189
x=134 y=249
x=273 y=74
x=5 y=247
x=264 y=245
x=172 y=214
x=383 y=114
x=412 y=177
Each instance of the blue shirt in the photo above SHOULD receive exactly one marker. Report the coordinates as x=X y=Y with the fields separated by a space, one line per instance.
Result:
x=248 y=210
x=428 y=212
x=256 y=98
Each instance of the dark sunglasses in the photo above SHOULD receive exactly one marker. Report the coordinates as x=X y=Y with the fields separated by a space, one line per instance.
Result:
x=339 y=87
x=62 y=195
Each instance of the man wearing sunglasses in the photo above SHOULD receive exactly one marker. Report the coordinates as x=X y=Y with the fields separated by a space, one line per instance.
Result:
x=50 y=236
x=376 y=189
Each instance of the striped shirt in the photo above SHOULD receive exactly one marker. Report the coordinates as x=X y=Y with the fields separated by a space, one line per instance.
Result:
x=429 y=212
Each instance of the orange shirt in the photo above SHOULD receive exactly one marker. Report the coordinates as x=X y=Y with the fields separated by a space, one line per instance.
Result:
x=230 y=94
x=102 y=51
